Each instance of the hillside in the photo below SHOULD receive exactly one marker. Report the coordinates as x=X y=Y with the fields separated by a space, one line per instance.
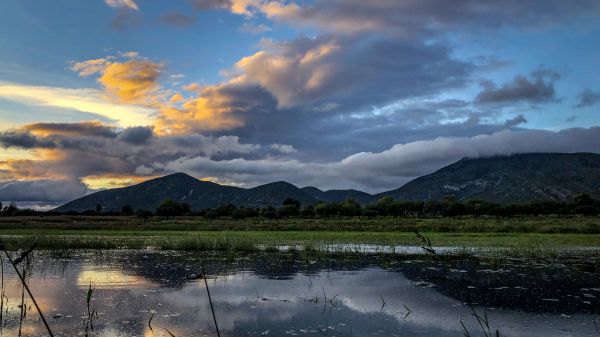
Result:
x=184 y=188
x=501 y=179
x=339 y=195
x=149 y=194
x=509 y=179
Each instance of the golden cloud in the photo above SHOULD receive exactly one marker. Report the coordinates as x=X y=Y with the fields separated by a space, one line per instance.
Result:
x=131 y=82
x=68 y=129
x=83 y=100
x=135 y=81
x=113 y=180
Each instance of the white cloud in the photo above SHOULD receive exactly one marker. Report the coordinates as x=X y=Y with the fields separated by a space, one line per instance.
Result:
x=122 y=3
x=83 y=100
x=389 y=169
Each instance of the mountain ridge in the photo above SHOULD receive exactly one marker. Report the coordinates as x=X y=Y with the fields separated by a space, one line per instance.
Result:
x=509 y=179
x=503 y=179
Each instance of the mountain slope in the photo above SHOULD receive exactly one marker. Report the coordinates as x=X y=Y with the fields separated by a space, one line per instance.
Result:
x=509 y=179
x=272 y=194
x=339 y=195
x=184 y=188
x=149 y=194
x=502 y=179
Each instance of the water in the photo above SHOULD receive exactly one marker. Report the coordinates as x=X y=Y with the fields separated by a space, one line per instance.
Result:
x=290 y=294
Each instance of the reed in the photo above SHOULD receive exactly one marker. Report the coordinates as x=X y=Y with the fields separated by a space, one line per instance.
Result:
x=24 y=284
x=212 y=309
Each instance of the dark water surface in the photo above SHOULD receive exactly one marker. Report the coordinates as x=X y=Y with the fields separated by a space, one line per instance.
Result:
x=294 y=294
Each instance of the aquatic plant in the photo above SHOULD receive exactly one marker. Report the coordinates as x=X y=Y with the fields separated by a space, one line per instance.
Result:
x=426 y=243
x=89 y=324
x=212 y=309
x=484 y=324
x=24 y=284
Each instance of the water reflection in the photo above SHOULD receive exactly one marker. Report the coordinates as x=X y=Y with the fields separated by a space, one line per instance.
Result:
x=289 y=294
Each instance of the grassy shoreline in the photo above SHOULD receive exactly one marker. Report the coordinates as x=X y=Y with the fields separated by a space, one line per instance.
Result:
x=249 y=240
x=541 y=224
x=185 y=233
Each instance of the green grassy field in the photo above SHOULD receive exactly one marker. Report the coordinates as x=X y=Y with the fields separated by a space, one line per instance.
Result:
x=64 y=232
x=542 y=224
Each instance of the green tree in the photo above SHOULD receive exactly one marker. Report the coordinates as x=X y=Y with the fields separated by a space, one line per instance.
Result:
x=170 y=207
x=291 y=202
x=126 y=210
x=350 y=208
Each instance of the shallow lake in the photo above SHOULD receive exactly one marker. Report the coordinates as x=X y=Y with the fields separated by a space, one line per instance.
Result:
x=302 y=294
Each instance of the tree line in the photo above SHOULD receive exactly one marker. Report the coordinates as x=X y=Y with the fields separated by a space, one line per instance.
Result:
x=385 y=207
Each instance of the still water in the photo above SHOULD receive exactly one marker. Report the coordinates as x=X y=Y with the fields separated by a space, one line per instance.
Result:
x=294 y=294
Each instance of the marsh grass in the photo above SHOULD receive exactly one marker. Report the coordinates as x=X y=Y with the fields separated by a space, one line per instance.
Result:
x=533 y=224
x=484 y=325
x=89 y=323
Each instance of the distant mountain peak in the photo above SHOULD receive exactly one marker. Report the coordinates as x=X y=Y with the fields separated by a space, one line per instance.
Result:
x=504 y=179
x=509 y=178
x=177 y=175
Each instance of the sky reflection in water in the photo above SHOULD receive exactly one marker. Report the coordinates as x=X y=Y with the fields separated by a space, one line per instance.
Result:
x=285 y=295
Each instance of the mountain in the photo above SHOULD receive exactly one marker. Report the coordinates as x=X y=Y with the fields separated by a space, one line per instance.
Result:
x=509 y=179
x=272 y=194
x=149 y=194
x=339 y=195
x=503 y=179
x=184 y=188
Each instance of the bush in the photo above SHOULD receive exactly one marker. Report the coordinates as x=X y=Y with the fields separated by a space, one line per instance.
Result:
x=172 y=208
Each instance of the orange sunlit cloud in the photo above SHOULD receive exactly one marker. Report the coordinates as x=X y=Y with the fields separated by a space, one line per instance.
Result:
x=113 y=181
x=135 y=81
x=84 y=100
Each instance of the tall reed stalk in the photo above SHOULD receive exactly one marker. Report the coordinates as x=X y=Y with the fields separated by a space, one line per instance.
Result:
x=25 y=286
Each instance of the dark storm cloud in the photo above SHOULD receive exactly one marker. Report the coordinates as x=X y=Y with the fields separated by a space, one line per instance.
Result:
x=136 y=135
x=324 y=90
x=537 y=88
x=517 y=120
x=409 y=17
x=588 y=97
x=24 y=140
x=211 y=4
x=125 y=153
x=84 y=128
x=352 y=72
x=41 y=190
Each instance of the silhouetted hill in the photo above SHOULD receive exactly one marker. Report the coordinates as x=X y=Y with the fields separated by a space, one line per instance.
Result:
x=339 y=195
x=149 y=194
x=502 y=179
x=272 y=194
x=509 y=179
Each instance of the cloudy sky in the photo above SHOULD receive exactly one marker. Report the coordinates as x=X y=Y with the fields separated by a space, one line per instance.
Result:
x=331 y=93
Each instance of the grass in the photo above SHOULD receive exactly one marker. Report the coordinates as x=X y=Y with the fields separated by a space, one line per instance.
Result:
x=195 y=233
x=542 y=224
x=252 y=240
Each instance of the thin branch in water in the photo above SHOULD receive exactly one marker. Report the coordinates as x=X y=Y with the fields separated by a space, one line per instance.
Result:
x=408 y=313
x=37 y=307
x=212 y=309
x=150 y=322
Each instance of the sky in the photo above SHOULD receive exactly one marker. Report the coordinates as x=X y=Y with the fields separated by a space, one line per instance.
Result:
x=335 y=94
